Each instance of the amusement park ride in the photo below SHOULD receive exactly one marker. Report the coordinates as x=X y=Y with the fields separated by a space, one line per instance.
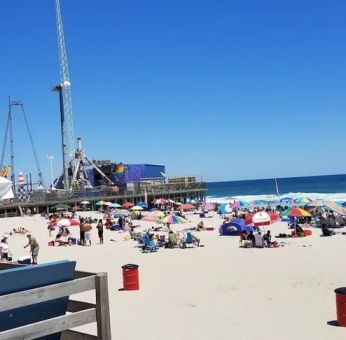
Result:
x=75 y=160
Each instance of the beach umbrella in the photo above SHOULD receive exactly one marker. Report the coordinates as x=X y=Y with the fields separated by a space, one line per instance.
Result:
x=153 y=209
x=120 y=212
x=158 y=213
x=85 y=202
x=296 y=212
x=186 y=207
x=136 y=208
x=127 y=205
x=286 y=200
x=208 y=206
x=240 y=204
x=114 y=205
x=142 y=204
x=343 y=204
x=336 y=208
x=60 y=206
x=161 y=201
x=224 y=209
x=64 y=223
x=302 y=201
x=99 y=203
x=75 y=208
x=173 y=219
x=261 y=218
x=150 y=217
x=108 y=204
x=315 y=203
x=258 y=203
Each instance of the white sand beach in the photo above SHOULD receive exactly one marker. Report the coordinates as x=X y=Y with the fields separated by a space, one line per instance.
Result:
x=215 y=292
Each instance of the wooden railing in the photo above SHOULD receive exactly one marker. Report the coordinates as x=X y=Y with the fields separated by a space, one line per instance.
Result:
x=80 y=313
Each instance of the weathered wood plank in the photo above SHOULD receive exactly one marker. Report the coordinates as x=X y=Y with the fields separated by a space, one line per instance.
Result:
x=102 y=307
x=74 y=335
x=76 y=306
x=80 y=274
x=50 y=326
x=41 y=294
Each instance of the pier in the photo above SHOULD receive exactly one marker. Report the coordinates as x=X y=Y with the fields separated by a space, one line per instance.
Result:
x=177 y=189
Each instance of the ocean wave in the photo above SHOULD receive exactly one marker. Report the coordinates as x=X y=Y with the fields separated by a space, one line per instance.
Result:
x=275 y=198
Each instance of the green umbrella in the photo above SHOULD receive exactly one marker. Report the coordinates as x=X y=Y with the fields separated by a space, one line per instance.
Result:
x=60 y=206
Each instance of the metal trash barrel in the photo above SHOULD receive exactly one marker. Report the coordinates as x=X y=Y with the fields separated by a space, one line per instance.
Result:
x=340 y=294
x=130 y=277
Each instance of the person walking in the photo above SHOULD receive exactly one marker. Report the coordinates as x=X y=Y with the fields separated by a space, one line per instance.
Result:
x=100 y=230
x=34 y=248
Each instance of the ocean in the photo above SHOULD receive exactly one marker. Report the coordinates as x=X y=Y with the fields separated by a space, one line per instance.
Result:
x=331 y=187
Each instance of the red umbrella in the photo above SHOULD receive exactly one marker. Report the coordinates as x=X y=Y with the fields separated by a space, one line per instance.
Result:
x=127 y=205
x=186 y=207
x=160 y=201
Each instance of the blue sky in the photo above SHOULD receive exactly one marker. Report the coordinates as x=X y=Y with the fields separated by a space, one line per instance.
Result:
x=225 y=89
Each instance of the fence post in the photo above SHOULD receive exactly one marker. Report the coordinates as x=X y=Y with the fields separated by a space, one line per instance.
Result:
x=102 y=307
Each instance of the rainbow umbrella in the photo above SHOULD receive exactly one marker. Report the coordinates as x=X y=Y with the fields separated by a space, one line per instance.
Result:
x=173 y=219
x=296 y=212
x=302 y=201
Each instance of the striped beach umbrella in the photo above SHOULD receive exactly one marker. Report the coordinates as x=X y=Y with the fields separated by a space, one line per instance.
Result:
x=296 y=212
x=173 y=219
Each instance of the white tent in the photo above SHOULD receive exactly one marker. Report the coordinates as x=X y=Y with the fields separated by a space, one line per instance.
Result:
x=5 y=189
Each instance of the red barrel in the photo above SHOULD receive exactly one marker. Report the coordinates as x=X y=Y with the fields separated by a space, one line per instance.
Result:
x=341 y=306
x=130 y=277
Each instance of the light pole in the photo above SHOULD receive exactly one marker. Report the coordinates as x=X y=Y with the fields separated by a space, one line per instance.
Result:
x=51 y=158
x=60 y=88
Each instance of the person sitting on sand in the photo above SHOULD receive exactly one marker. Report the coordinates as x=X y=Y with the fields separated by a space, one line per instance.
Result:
x=172 y=239
x=326 y=231
x=259 y=240
x=299 y=231
x=251 y=237
x=267 y=239
x=61 y=240
x=200 y=226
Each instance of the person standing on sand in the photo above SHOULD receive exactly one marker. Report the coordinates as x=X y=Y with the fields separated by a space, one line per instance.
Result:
x=100 y=230
x=82 y=232
x=34 y=248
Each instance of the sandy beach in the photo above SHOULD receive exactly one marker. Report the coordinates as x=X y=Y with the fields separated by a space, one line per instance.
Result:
x=218 y=291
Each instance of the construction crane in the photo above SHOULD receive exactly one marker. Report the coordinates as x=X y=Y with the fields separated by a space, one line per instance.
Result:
x=66 y=99
x=9 y=135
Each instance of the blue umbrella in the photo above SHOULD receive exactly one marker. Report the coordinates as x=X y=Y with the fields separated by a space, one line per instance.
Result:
x=286 y=200
x=153 y=209
x=142 y=204
x=224 y=209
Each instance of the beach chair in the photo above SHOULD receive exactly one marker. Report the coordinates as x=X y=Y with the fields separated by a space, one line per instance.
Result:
x=188 y=242
x=149 y=246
